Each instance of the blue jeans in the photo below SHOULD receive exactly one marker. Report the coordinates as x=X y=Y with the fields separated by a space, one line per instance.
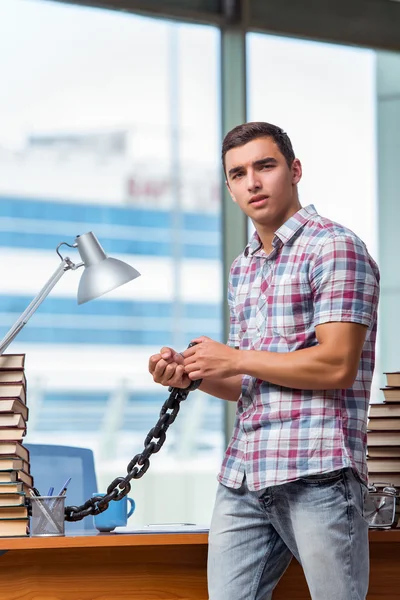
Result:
x=318 y=519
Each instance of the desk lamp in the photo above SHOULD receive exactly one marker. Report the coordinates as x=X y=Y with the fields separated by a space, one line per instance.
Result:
x=101 y=275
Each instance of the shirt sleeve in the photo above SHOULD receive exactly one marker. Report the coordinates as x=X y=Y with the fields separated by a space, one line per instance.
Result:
x=345 y=282
x=233 y=339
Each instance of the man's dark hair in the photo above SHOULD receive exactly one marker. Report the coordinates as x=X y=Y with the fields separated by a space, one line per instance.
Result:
x=242 y=134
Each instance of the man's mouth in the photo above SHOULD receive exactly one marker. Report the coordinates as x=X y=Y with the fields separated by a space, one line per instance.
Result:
x=259 y=199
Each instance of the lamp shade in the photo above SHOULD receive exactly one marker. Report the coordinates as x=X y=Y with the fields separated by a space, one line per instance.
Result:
x=101 y=273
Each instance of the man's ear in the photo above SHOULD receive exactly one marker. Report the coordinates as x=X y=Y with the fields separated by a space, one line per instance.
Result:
x=297 y=171
x=230 y=191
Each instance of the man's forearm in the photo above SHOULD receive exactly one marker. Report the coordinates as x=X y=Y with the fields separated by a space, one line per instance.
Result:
x=306 y=369
x=226 y=389
x=331 y=364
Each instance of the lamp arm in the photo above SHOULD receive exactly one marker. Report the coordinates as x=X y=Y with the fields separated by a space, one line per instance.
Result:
x=64 y=266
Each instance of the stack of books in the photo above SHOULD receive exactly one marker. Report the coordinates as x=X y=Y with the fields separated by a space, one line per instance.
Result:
x=384 y=434
x=15 y=478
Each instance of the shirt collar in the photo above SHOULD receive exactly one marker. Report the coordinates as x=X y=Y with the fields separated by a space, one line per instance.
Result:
x=285 y=231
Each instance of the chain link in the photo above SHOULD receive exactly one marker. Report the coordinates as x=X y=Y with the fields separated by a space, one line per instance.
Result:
x=140 y=463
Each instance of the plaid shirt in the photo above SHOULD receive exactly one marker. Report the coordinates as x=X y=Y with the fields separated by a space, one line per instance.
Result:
x=317 y=272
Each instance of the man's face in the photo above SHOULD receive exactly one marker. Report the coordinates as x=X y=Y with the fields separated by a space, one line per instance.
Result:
x=262 y=184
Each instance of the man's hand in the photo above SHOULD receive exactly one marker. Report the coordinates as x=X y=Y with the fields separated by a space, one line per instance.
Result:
x=167 y=368
x=209 y=359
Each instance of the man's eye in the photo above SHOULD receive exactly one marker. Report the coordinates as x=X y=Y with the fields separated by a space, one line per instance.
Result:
x=267 y=166
x=236 y=175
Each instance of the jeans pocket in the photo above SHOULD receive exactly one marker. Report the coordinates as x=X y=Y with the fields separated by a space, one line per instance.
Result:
x=323 y=478
x=364 y=496
x=358 y=492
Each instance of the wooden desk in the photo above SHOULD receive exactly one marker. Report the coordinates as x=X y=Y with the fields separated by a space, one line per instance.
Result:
x=150 y=567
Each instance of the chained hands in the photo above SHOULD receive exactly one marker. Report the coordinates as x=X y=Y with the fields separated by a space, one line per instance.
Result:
x=167 y=368
x=207 y=359
x=210 y=360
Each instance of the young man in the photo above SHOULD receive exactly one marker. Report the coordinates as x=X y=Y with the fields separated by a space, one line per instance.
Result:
x=299 y=362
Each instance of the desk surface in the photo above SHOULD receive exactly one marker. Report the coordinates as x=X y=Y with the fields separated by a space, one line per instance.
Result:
x=104 y=540
x=153 y=566
x=99 y=566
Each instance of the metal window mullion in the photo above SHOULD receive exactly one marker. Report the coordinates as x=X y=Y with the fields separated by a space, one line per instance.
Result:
x=234 y=222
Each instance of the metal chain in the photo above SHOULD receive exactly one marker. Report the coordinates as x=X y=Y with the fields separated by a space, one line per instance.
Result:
x=140 y=463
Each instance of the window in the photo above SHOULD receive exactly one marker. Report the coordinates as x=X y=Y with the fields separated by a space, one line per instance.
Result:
x=110 y=125
x=324 y=97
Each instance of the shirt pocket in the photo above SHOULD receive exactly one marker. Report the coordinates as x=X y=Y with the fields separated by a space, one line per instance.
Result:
x=290 y=306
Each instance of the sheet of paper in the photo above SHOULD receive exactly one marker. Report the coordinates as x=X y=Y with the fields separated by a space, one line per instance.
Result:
x=163 y=528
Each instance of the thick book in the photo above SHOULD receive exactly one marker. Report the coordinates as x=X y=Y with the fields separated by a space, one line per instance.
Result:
x=383 y=409
x=13 y=527
x=26 y=478
x=391 y=394
x=389 y=478
x=384 y=465
x=12 y=463
x=384 y=424
x=12 y=448
x=13 y=434
x=13 y=476
x=17 y=499
x=12 y=420
x=383 y=451
x=393 y=378
x=13 y=512
x=14 y=405
x=13 y=390
x=383 y=438
x=10 y=362
x=17 y=377
x=8 y=476
x=13 y=487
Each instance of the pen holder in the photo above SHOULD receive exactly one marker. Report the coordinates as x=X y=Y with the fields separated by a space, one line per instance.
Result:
x=47 y=516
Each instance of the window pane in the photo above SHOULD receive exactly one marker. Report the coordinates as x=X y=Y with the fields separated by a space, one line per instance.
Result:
x=110 y=125
x=324 y=97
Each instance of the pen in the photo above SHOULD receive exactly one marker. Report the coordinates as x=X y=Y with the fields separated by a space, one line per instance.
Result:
x=63 y=490
x=50 y=492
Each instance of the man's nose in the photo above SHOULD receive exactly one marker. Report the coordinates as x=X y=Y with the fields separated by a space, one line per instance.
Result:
x=253 y=181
